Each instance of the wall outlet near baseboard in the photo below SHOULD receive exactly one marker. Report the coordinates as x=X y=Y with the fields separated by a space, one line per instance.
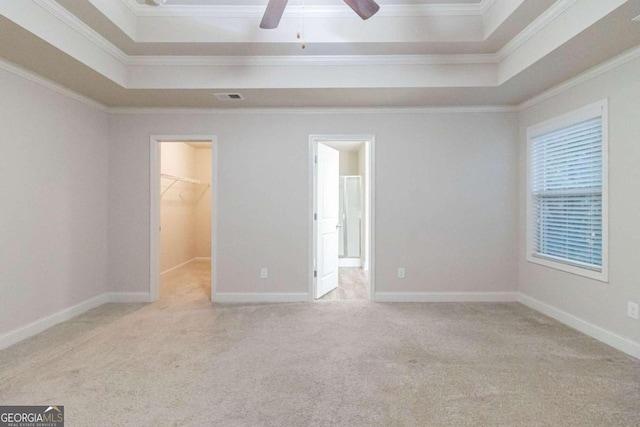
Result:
x=632 y=310
x=401 y=274
x=264 y=273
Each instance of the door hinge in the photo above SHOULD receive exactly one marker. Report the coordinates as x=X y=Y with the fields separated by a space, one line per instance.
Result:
x=315 y=273
x=315 y=159
x=315 y=216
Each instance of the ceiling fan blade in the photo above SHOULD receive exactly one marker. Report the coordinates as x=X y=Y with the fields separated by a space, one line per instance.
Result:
x=273 y=13
x=364 y=8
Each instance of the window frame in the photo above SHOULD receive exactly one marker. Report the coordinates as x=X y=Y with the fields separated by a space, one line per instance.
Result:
x=595 y=109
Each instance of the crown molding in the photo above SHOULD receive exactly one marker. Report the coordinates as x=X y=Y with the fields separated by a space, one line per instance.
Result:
x=132 y=5
x=55 y=87
x=485 y=5
x=618 y=61
x=90 y=34
x=327 y=60
x=48 y=84
x=337 y=111
x=547 y=17
x=318 y=60
x=81 y=28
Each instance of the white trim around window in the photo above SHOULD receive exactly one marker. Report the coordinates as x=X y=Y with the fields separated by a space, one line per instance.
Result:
x=592 y=111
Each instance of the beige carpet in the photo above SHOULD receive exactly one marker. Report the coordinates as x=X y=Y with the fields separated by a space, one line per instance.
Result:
x=352 y=284
x=355 y=363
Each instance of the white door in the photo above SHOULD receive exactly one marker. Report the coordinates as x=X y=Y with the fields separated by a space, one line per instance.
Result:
x=328 y=193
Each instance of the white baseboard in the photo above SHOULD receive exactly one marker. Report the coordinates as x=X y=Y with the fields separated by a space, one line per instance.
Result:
x=129 y=297
x=11 y=337
x=249 y=298
x=616 y=341
x=349 y=262
x=632 y=348
x=178 y=266
x=446 y=296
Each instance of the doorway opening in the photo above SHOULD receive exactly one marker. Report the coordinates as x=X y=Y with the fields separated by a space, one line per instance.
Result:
x=342 y=215
x=182 y=218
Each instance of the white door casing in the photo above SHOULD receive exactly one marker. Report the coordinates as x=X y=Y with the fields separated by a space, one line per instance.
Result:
x=328 y=219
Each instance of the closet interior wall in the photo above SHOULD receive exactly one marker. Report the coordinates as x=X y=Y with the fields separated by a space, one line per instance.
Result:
x=185 y=208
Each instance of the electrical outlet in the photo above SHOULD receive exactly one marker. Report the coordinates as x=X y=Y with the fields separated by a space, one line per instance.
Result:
x=401 y=274
x=632 y=310
x=264 y=273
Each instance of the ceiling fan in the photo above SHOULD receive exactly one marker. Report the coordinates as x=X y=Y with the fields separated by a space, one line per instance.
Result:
x=364 y=8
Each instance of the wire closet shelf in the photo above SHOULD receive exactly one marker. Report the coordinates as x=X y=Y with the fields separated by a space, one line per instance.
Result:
x=175 y=179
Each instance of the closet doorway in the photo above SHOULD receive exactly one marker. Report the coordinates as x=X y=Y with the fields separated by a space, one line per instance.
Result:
x=342 y=212
x=182 y=218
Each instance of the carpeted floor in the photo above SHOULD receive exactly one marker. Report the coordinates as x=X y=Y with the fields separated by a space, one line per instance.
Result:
x=352 y=284
x=182 y=361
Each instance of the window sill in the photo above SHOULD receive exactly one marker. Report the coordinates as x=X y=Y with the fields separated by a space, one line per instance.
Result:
x=601 y=276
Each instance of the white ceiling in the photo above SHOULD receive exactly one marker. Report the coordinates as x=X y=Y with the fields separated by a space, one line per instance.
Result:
x=126 y=53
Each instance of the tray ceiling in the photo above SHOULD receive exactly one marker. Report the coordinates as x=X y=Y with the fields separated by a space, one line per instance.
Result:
x=127 y=53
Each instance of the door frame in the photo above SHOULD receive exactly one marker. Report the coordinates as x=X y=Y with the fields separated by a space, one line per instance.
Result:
x=154 y=207
x=370 y=193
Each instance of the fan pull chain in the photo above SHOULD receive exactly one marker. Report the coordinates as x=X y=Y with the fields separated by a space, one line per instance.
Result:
x=300 y=32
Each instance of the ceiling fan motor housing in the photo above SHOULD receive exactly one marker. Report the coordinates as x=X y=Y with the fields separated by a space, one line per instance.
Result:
x=275 y=8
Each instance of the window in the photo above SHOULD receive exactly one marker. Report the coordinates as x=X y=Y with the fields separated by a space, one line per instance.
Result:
x=567 y=192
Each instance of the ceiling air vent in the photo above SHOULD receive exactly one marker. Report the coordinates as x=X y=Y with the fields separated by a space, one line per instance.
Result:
x=229 y=96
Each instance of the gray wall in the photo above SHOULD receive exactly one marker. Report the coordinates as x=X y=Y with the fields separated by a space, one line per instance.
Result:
x=602 y=304
x=75 y=186
x=53 y=212
x=446 y=197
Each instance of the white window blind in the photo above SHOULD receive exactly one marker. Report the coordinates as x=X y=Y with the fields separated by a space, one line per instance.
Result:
x=566 y=191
